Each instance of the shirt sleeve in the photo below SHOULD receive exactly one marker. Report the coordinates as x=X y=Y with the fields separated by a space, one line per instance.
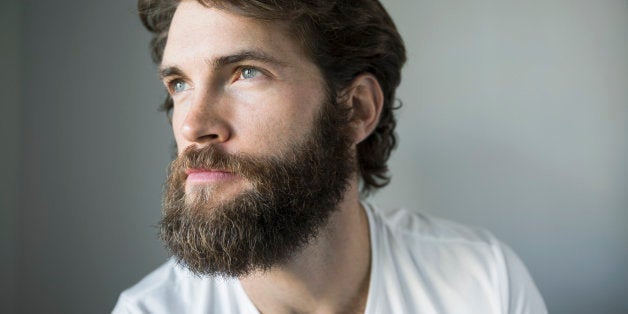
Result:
x=521 y=294
x=123 y=307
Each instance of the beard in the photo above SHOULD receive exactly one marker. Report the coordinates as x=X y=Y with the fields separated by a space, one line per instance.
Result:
x=288 y=200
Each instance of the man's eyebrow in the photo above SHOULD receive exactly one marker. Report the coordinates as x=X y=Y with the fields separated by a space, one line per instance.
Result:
x=245 y=55
x=166 y=71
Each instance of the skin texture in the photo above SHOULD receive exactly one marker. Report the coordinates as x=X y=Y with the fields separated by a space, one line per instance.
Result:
x=245 y=86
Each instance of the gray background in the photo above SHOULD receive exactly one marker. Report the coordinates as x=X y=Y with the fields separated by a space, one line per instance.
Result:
x=515 y=119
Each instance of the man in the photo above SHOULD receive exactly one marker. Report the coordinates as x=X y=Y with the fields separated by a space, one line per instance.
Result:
x=282 y=113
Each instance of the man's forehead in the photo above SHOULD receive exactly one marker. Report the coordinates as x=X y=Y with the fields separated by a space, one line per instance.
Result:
x=198 y=30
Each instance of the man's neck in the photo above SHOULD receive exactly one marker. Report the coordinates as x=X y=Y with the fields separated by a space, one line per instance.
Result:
x=330 y=275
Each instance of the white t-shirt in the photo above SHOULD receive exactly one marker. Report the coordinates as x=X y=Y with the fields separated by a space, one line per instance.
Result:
x=420 y=264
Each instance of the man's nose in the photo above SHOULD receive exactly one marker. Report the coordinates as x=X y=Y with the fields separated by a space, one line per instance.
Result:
x=205 y=123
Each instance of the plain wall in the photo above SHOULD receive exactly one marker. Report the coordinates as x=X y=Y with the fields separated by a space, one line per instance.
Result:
x=514 y=119
x=95 y=151
x=10 y=41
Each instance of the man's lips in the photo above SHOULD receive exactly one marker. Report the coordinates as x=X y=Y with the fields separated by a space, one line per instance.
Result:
x=208 y=175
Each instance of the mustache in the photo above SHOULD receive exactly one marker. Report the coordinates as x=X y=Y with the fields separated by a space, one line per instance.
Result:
x=213 y=157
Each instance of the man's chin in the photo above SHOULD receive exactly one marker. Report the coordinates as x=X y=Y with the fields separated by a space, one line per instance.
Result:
x=209 y=195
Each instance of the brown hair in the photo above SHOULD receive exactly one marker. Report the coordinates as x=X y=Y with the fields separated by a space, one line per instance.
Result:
x=345 y=38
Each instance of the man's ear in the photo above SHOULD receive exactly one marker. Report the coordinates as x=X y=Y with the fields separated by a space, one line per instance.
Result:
x=366 y=99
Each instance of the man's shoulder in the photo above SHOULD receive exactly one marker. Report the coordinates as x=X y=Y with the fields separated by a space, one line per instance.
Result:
x=171 y=288
x=455 y=265
x=406 y=237
x=155 y=290
x=421 y=226
x=167 y=276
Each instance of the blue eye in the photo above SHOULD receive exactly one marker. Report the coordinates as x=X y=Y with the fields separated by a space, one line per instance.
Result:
x=248 y=73
x=178 y=86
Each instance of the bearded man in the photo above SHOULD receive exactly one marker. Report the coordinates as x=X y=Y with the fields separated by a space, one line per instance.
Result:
x=282 y=112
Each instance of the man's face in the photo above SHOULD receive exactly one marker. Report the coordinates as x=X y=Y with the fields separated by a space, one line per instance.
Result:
x=239 y=84
x=264 y=155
